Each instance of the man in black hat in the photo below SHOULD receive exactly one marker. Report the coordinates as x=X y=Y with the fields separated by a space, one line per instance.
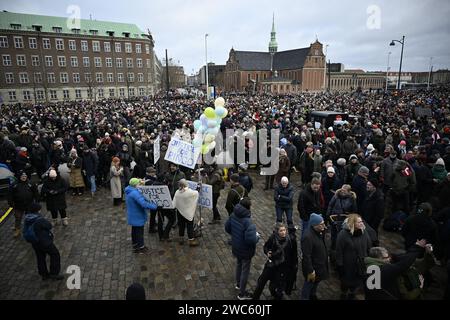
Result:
x=37 y=231
x=373 y=211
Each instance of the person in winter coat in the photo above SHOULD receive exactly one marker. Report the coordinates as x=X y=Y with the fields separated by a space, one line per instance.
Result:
x=349 y=146
x=218 y=184
x=39 y=158
x=306 y=163
x=43 y=245
x=136 y=214
x=235 y=194
x=291 y=153
x=150 y=180
x=403 y=182
x=90 y=165
x=54 y=191
x=75 y=164
x=244 y=178
x=57 y=154
x=244 y=239
x=284 y=196
x=315 y=257
x=116 y=174
x=125 y=160
x=351 y=170
x=340 y=169
x=352 y=246
x=387 y=170
x=391 y=271
x=373 y=211
x=309 y=202
x=424 y=179
x=185 y=201
x=21 y=195
x=281 y=267
x=439 y=172
x=359 y=186
x=330 y=184
x=284 y=167
x=420 y=226
x=173 y=176
x=23 y=162
x=343 y=202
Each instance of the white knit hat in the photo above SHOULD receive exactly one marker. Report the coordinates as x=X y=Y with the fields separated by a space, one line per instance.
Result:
x=440 y=161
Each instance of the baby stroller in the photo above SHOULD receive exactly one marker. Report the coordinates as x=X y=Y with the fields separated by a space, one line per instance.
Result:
x=336 y=222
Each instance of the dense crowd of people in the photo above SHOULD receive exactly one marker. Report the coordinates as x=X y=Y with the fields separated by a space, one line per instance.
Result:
x=388 y=166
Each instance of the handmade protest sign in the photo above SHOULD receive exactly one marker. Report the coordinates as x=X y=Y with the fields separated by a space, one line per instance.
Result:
x=156 y=150
x=159 y=195
x=182 y=153
x=205 y=196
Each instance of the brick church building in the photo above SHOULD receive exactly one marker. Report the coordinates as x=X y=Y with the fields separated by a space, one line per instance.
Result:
x=281 y=72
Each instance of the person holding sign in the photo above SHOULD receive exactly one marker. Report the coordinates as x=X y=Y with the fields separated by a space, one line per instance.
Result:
x=137 y=216
x=185 y=201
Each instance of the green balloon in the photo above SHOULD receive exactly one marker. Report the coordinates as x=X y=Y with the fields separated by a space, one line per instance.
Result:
x=210 y=113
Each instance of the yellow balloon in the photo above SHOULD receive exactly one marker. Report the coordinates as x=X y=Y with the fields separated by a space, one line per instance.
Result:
x=210 y=113
x=220 y=102
x=205 y=148
x=209 y=138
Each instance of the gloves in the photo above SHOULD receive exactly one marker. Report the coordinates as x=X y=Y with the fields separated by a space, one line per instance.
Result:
x=311 y=277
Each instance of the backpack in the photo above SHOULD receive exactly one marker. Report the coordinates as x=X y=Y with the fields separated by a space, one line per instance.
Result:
x=29 y=233
x=395 y=222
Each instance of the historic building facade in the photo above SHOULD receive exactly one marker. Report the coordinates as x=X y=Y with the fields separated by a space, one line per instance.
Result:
x=43 y=60
x=300 y=69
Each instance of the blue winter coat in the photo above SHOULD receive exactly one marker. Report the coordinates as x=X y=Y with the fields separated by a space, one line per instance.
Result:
x=243 y=233
x=284 y=197
x=136 y=205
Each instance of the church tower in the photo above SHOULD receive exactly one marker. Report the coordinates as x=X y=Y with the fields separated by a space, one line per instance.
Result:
x=273 y=45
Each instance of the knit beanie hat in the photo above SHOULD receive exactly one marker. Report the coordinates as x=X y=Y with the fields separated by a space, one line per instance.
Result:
x=440 y=161
x=134 y=182
x=315 y=219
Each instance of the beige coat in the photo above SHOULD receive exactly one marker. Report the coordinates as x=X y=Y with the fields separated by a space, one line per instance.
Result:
x=116 y=182
x=186 y=202
x=76 y=177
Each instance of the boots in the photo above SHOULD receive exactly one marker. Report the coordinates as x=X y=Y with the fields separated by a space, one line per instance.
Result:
x=16 y=233
x=65 y=222
x=193 y=242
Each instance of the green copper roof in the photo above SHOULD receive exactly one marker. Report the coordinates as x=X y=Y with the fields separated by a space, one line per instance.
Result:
x=273 y=45
x=27 y=21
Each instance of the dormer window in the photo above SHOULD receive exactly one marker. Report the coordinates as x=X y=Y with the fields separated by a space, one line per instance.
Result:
x=16 y=26
x=126 y=34
x=76 y=31
x=93 y=32
x=57 y=29
x=110 y=33
x=37 y=28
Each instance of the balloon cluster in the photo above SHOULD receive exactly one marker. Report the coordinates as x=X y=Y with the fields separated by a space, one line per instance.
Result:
x=208 y=126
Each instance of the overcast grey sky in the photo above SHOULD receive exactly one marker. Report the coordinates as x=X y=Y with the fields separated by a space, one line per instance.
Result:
x=358 y=35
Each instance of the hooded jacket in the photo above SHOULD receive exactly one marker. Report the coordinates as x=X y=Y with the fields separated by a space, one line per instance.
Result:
x=342 y=204
x=136 y=205
x=243 y=233
x=315 y=254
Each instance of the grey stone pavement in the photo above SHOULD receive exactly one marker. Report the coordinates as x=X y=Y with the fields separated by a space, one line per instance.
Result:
x=98 y=240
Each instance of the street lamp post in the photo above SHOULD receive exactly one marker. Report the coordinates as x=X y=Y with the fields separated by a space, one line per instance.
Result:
x=206 y=70
x=387 y=71
x=429 y=74
x=401 y=58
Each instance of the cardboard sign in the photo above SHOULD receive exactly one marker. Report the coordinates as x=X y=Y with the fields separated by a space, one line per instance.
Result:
x=156 y=150
x=182 y=153
x=159 y=195
x=205 y=195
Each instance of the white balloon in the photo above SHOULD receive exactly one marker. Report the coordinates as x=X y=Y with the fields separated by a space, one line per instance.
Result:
x=220 y=102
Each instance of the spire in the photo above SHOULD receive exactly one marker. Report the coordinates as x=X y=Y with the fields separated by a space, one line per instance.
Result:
x=273 y=45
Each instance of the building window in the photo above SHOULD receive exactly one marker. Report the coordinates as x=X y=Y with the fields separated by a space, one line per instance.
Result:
x=53 y=95
x=35 y=61
x=40 y=95
x=108 y=62
x=130 y=77
x=76 y=31
x=74 y=62
x=111 y=93
x=12 y=95
x=140 y=77
x=121 y=92
x=37 y=77
x=99 y=77
x=66 y=94
x=94 y=32
x=148 y=63
x=128 y=48
x=61 y=61
x=57 y=29
x=141 y=91
x=64 y=77
x=131 y=92
x=6 y=60
x=72 y=45
x=101 y=93
x=86 y=63
x=9 y=77
x=84 y=45
x=118 y=47
x=76 y=77
x=21 y=61
x=46 y=44
x=107 y=46
x=59 y=44
x=147 y=49
x=48 y=61
x=98 y=62
x=120 y=77
x=23 y=76
x=18 y=42
x=138 y=48
x=119 y=63
x=32 y=42
x=26 y=95
x=87 y=77
x=50 y=77
x=109 y=77
x=139 y=63
x=77 y=93
x=96 y=46
x=129 y=63
x=3 y=42
x=16 y=26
